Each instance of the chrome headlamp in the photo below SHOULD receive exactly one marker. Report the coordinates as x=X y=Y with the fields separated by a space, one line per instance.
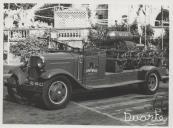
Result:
x=41 y=62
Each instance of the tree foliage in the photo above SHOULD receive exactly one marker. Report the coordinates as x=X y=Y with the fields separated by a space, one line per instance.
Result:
x=99 y=33
x=134 y=28
x=14 y=6
x=158 y=41
x=31 y=45
x=166 y=38
x=149 y=31
x=166 y=35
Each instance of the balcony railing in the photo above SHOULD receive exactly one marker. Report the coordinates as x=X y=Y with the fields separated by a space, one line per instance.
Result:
x=102 y=21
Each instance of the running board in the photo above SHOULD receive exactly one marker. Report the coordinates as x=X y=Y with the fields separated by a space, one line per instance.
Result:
x=164 y=77
x=115 y=85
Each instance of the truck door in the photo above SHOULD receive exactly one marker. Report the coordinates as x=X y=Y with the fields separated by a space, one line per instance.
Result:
x=91 y=66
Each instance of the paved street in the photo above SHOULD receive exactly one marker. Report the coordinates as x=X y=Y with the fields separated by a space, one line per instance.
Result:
x=102 y=107
x=129 y=101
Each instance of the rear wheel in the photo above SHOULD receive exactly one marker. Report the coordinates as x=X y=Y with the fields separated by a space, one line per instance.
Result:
x=152 y=83
x=56 y=92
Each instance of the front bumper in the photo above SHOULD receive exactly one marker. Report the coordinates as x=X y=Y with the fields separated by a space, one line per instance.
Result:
x=32 y=88
x=29 y=86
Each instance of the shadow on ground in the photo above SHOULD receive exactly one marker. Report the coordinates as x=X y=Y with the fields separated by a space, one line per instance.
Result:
x=81 y=95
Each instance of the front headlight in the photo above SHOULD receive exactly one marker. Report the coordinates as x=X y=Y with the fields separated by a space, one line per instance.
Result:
x=41 y=62
x=40 y=65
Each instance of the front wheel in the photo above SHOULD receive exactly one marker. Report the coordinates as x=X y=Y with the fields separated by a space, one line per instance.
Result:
x=152 y=83
x=56 y=92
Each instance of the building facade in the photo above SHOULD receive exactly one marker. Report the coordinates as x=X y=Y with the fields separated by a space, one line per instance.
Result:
x=72 y=21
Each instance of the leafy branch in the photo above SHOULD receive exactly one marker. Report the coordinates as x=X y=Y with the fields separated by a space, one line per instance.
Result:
x=31 y=45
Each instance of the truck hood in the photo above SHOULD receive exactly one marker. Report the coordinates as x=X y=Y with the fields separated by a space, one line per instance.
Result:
x=60 y=56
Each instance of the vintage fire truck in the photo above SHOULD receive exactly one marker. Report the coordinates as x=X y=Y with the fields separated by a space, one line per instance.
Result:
x=54 y=75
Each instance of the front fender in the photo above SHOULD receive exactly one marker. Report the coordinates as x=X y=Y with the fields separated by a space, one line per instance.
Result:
x=147 y=69
x=20 y=74
x=53 y=72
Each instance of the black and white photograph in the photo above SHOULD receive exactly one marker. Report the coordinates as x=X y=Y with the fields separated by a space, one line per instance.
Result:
x=74 y=63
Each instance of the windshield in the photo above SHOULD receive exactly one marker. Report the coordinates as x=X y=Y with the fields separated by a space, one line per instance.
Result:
x=75 y=44
x=71 y=46
x=65 y=46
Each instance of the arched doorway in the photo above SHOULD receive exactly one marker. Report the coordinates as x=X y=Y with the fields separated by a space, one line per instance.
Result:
x=165 y=15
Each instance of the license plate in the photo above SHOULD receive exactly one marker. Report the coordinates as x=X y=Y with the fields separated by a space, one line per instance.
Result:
x=32 y=83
